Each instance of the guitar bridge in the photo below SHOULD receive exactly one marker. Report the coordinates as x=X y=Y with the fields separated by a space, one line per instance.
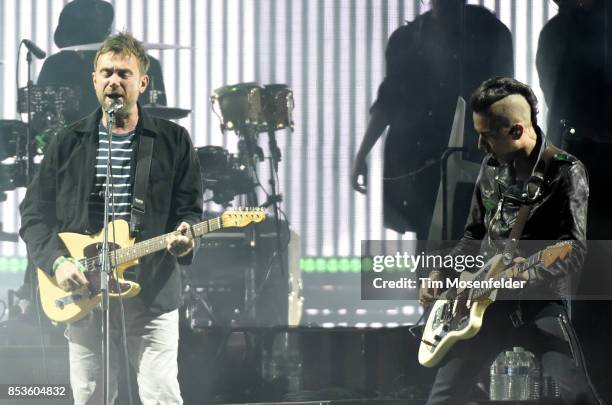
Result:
x=69 y=299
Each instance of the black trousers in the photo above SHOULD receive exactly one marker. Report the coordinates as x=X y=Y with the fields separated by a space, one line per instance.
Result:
x=546 y=332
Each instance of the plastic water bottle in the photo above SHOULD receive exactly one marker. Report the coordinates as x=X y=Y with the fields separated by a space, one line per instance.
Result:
x=535 y=377
x=550 y=388
x=498 y=374
x=519 y=363
x=515 y=375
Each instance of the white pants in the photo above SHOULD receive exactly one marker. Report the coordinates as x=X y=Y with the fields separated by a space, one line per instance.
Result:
x=152 y=348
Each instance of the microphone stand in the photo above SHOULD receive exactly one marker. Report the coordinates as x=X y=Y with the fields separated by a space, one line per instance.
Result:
x=274 y=199
x=29 y=159
x=105 y=267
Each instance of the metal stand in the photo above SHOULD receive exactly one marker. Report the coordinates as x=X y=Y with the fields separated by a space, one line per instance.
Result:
x=27 y=173
x=247 y=151
x=244 y=108
x=274 y=199
x=105 y=270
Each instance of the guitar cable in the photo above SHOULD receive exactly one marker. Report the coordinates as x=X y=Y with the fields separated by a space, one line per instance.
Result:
x=418 y=324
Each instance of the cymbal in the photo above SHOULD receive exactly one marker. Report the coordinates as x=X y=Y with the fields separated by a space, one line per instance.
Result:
x=153 y=45
x=169 y=113
x=147 y=45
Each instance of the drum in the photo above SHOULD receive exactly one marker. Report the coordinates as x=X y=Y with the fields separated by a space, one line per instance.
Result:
x=222 y=174
x=278 y=106
x=239 y=107
x=213 y=159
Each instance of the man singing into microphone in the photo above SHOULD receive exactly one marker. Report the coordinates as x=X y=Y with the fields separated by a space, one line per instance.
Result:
x=66 y=195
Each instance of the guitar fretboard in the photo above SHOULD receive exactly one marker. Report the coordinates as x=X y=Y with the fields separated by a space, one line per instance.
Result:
x=149 y=246
x=506 y=274
x=158 y=243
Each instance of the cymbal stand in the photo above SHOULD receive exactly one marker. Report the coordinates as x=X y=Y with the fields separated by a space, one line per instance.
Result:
x=248 y=151
x=24 y=173
x=274 y=199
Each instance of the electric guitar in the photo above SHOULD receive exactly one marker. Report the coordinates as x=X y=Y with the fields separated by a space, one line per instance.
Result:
x=70 y=306
x=457 y=313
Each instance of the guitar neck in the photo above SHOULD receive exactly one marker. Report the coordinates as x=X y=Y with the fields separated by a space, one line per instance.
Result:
x=158 y=243
x=524 y=266
x=508 y=273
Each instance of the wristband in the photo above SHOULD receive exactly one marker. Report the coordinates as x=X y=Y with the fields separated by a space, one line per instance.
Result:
x=58 y=262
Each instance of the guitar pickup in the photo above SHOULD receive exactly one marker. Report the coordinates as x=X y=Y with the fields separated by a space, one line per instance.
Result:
x=428 y=343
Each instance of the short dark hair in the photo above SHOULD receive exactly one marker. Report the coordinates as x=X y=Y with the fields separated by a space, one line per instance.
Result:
x=125 y=43
x=493 y=90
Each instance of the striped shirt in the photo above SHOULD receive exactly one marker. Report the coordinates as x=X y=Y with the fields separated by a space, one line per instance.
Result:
x=121 y=191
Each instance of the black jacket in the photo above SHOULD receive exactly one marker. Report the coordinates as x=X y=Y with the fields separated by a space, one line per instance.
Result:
x=57 y=200
x=560 y=213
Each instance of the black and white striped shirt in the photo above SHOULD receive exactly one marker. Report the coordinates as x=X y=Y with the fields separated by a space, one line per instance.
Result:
x=121 y=156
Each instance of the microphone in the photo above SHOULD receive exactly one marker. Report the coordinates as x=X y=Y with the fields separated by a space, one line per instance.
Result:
x=36 y=51
x=114 y=107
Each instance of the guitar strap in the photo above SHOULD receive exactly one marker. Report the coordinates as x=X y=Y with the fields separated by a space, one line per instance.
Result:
x=533 y=190
x=141 y=181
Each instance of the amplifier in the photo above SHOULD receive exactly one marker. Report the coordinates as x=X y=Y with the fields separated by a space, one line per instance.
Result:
x=236 y=279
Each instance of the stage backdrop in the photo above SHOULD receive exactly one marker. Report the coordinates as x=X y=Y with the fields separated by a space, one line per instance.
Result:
x=330 y=52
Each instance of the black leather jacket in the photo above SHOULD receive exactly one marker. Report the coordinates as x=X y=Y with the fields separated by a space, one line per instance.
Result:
x=559 y=213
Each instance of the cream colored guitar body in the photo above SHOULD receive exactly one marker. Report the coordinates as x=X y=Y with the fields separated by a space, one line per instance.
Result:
x=454 y=320
x=457 y=314
x=63 y=306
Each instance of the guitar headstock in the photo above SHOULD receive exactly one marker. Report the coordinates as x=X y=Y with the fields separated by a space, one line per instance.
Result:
x=242 y=218
x=556 y=252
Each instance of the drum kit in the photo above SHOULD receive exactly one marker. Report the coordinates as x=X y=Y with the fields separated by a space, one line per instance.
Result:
x=47 y=106
x=246 y=109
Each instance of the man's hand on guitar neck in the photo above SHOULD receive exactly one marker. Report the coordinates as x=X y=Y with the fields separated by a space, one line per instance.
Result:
x=180 y=244
x=519 y=275
x=429 y=295
x=68 y=276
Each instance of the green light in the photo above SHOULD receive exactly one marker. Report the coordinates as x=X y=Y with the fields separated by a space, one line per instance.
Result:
x=344 y=265
x=330 y=264
x=321 y=264
x=13 y=264
x=366 y=264
x=307 y=265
